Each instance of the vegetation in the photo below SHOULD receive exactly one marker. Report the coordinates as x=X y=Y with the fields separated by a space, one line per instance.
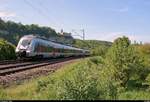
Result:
x=121 y=74
x=123 y=60
x=117 y=71
x=97 y=48
x=12 y=32
x=7 y=50
x=144 y=50
x=77 y=81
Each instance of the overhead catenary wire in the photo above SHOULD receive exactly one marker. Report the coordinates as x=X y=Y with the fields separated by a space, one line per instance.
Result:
x=39 y=11
x=44 y=13
x=59 y=23
x=47 y=10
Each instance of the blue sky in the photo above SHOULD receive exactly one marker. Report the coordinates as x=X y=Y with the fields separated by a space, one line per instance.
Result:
x=101 y=19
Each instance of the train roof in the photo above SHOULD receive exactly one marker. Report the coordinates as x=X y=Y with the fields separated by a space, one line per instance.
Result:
x=55 y=43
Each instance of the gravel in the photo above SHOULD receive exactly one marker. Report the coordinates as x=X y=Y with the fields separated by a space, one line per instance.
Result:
x=20 y=77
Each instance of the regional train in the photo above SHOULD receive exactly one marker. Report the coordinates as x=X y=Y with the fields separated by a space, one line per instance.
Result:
x=31 y=46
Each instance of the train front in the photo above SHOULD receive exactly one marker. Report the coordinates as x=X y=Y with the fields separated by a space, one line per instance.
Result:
x=23 y=47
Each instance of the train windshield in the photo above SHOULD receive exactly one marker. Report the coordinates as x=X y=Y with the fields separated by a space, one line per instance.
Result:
x=24 y=44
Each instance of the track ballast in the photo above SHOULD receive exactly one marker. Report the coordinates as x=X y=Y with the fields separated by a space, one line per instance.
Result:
x=7 y=69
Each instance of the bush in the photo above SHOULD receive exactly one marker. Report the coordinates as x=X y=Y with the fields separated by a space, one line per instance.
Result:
x=100 y=50
x=123 y=60
x=83 y=80
x=147 y=80
x=80 y=84
x=96 y=60
x=144 y=49
x=7 y=50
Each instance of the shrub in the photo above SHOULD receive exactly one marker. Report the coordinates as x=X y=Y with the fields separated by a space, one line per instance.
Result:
x=123 y=60
x=147 y=80
x=144 y=49
x=96 y=60
x=80 y=84
x=80 y=81
x=99 y=50
x=107 y=84
x=7 y=50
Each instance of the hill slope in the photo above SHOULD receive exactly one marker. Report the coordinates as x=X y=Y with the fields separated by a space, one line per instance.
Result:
x=96 y=47
x=12 y=32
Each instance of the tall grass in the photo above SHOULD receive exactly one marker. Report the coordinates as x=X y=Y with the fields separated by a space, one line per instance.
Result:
x=86 y=79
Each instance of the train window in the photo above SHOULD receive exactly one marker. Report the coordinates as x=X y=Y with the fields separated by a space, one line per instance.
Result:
x=61 y=50
x=36 y=47
x=25 y=43
x=69 y=51
x=65 y=50
x=50 y=49
x=58 y=50
x=55 y=49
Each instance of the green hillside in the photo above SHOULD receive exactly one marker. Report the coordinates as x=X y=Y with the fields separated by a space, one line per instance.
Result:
x=12 y=32
x=122 y=74
x=95 y=46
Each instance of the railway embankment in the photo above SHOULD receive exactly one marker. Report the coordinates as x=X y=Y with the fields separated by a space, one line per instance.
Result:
x=35 y=88
x=82 y=79
x=16 y=73
x=123 y=73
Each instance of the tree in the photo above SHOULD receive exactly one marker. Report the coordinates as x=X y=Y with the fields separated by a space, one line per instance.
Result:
x=123 y=60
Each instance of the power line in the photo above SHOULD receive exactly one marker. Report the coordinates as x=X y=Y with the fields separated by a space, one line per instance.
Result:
x=37 y=9
x=40 y=4
x=83 y=33
x=44 y=14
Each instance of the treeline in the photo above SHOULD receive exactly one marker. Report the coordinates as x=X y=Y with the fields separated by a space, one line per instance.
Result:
x=97 y=48
x=12 y=31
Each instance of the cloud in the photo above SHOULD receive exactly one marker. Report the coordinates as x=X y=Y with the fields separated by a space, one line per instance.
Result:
x=7 y=14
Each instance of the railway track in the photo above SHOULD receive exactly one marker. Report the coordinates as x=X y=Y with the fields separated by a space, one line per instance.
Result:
x=18 y=67
x=11 y=61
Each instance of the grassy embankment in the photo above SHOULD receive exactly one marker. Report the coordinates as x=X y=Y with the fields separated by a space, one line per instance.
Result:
x=49 y=87
x=122 y=73
x=84 y=79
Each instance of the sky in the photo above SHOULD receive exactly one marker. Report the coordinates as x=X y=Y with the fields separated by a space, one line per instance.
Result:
x=101 y=19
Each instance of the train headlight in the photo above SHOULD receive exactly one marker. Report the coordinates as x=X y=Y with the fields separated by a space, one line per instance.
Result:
x=16 y=50
x=28 y=51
